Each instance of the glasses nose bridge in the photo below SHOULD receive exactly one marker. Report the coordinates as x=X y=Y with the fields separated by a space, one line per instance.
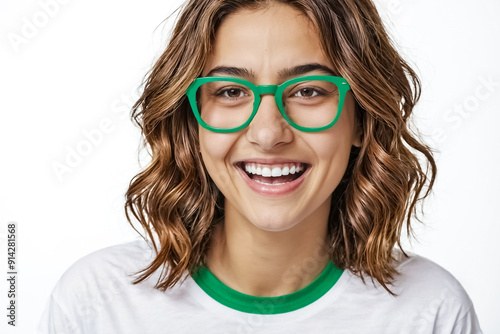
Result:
x=260 y=90
x=267 y=89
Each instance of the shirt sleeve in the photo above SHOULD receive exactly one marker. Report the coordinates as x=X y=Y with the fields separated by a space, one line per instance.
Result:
x=54 y=320
x=468 y=324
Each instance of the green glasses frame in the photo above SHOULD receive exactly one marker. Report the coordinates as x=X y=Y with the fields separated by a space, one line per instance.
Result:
x=276 y=90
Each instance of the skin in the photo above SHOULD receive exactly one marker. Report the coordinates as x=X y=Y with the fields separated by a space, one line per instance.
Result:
x=271 y=246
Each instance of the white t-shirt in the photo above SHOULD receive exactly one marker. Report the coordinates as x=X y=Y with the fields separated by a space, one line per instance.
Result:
x=95 y=296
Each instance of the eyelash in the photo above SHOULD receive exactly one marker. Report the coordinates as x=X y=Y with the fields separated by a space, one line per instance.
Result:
x=220 y=92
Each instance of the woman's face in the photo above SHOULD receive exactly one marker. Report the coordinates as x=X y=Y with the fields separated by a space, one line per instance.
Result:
x=262 y=45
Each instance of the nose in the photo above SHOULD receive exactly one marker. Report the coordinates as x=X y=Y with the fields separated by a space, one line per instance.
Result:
x=268 y=128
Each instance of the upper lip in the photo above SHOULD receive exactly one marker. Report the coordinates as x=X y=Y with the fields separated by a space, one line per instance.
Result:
x=270 y=161
x=275 y=161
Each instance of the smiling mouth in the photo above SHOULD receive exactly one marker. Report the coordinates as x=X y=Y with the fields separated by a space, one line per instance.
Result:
x=273 y=174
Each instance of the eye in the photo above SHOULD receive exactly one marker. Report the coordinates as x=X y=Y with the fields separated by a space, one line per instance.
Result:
x=306 y=92
x=231 y=93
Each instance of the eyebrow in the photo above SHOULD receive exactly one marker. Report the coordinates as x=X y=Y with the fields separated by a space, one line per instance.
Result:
x=232 y=71
x=303 y=69
x=282 y=74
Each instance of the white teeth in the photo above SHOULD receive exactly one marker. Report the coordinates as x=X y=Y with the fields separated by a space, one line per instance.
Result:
x=272 y=184
x=273 y=171
x=276 y=172
x=266 y=172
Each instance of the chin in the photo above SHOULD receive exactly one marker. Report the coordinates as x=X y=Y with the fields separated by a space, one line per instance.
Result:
x=272 y=225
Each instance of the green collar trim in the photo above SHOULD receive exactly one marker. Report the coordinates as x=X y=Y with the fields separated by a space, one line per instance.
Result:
x=267 y=305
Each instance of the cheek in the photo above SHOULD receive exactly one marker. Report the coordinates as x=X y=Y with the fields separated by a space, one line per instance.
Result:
x=333 y=159
x=215 y=148
x=333 y=148
x=335 y=142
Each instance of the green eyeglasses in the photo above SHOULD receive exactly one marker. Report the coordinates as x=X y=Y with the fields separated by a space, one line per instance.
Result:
x=309 y=103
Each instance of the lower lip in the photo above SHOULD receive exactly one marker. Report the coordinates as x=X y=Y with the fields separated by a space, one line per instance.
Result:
x=273 y=190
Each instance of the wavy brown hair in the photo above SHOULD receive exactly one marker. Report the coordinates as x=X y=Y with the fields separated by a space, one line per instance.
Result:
x=177 y=203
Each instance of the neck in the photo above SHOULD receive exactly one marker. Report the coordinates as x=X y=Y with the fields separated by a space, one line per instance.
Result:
x=269 y=263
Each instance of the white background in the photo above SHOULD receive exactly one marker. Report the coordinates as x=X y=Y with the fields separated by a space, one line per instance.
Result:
x=80 y=65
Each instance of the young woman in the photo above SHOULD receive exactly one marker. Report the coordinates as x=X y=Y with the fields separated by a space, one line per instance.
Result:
x=282 y=175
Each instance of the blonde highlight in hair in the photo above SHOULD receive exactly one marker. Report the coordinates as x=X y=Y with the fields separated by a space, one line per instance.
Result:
x=174 y=198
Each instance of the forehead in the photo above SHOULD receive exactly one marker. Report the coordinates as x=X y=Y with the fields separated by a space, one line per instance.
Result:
x=266 y=40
